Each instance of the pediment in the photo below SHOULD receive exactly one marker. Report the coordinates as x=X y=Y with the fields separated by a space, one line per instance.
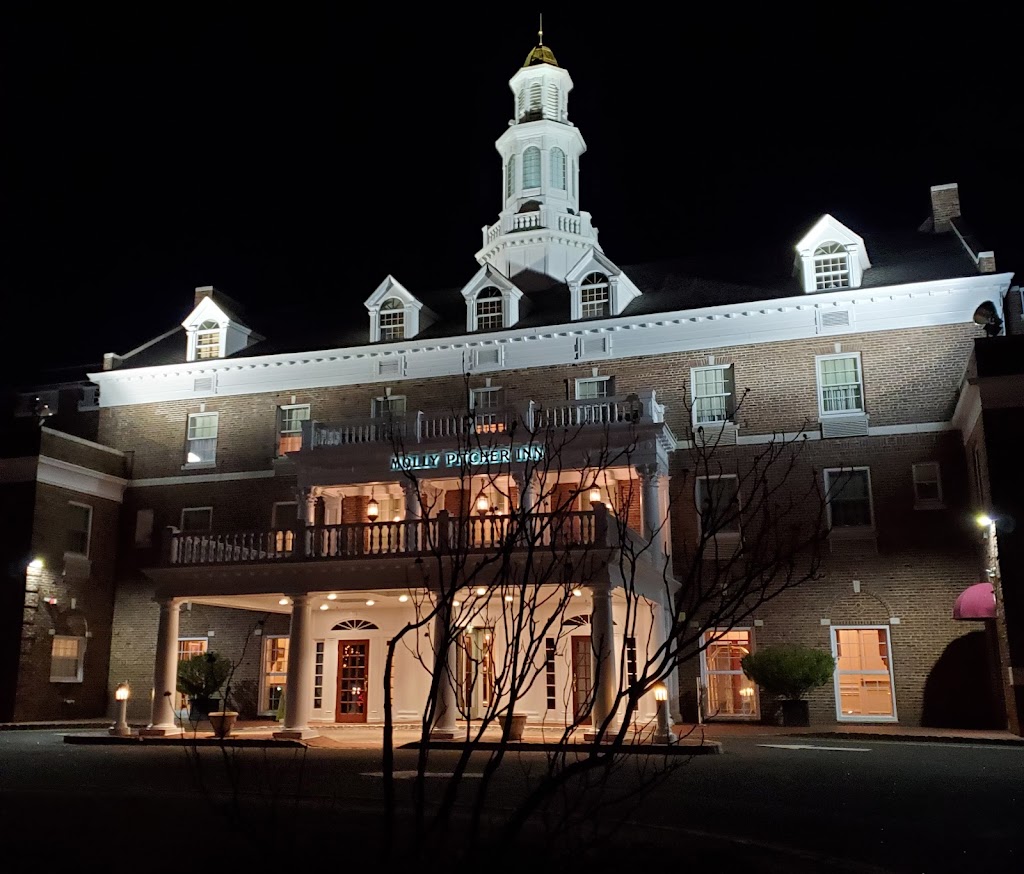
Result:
x=206 y=311
x=389 y=288
x=829 y=229
x=487 y=276
x=593 y=261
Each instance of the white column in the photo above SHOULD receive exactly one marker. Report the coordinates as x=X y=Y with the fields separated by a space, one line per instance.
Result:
x=299 y=686
x=527 y=486
x=413 y=512
x=445 y=705
x=654 y=499
x=659 y=635
x=165 y=675
x=602 y=642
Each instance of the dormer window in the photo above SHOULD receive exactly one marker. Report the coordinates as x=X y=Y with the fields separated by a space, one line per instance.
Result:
x=208 y=340
x=490 y=310
x=392 y=319
x=831 y=267
x=531 y=168
x=594 y=297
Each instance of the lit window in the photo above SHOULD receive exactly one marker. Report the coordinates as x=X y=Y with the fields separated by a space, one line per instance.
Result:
x=318 y=677
x=531 y=168
x=488 y=415
x=840 y=388
x=730 y=693
x=831 y=267
x=927 y=485
x=392 y=320
x=848 y=493
x=79 y=529
x=490 y=310
x=275 y=673
x=713 y=393
x=188 y=647
x=594 y=300
x=289 y=435
x=196 y=520
x=391 y=405
x=510 y=177
x=208 y=340
x=718 y=505
x=863 y=675
x=558 y=169
x=594 y=387
x=201 y=443
x=67 y=659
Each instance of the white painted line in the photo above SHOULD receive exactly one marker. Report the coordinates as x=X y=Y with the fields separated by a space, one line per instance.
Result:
x=812 y=747
x=411 y=775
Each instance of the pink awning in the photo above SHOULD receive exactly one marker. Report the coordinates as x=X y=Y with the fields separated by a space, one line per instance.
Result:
x=976 y=602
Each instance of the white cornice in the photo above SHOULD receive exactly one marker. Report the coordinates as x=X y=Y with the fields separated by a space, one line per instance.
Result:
x=201 y=478
x=82 y=441
x=941 y=302
x=76 y=478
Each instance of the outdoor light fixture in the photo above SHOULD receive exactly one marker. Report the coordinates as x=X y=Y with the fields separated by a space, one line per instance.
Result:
x=481 y=591
x=323 y=606
x=332 y=597
x=36 y=564
x=664 y=733
x=283 y=602
x=403 y=598
x=372 y=509
x=456 y=603
x=482 y=505
x=577 y=593
x=120 y=728
x=595 y=495
x=370 y=603
x=398 y=518
x=509 y=598
x=984 y=520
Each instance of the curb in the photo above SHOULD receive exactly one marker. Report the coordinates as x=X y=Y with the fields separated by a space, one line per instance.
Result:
x=55 y=726
x=177 y=740
x=708 y=748
x=910 y=738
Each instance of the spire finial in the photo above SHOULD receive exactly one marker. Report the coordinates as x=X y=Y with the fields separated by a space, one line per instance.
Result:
x=540 y=30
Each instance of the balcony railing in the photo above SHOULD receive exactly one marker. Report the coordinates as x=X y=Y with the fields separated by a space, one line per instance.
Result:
x=415 y=537
x=533 y=417
x=546 y=217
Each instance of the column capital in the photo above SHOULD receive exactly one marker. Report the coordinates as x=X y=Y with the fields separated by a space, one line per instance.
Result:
x=169 y=603
x=300 y=600
x=651 y=474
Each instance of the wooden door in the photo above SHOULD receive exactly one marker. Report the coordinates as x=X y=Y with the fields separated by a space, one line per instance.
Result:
x=353 y=680
x=582 y=679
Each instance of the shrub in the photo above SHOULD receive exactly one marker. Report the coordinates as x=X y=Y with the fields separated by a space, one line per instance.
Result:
x=788 y=671
x=202 y=675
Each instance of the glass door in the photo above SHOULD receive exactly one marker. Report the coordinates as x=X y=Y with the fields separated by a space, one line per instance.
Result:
x=730 y=693
x=275 y=673
x=353 y=679
x=475 y=671
x=863 y=679
x=582 y=679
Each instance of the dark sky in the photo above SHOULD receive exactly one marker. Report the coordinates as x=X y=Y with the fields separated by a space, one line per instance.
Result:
x=295 y=159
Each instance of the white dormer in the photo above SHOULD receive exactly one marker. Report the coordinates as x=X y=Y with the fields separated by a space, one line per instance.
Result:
x=830 y=257
x=395 y=314
x=212 y=330
x=597 y=287
x=492 y=301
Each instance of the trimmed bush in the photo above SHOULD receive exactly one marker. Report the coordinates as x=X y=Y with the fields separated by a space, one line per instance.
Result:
x=788 y=671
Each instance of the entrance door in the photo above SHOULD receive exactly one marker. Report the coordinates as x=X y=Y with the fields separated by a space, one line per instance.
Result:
x=475 y=671
x=730 y=693
x=582 y=679
x=353 y=679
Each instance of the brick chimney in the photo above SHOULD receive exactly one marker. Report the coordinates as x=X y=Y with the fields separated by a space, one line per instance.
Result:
x=209 y=291
x=945 y=206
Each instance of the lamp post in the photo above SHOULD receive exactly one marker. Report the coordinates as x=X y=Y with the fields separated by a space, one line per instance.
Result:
x=664 y=733
x=120 y=728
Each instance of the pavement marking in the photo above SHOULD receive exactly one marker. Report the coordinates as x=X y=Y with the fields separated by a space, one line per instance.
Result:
x=411 y=775
x=813 y=747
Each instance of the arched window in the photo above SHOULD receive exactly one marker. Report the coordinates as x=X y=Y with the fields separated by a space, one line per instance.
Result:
x=392 y=319
x=558 y=169
x=510 y=177
x=831 y=267
x=490 y=310
x=208 y=340
x=594 y=299
x=355 y=625
x=531 y=168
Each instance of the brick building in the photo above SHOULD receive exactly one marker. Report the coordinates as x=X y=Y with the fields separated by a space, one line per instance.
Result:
x=276 y=494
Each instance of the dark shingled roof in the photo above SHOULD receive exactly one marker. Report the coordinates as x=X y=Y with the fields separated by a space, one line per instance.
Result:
x=666 y=286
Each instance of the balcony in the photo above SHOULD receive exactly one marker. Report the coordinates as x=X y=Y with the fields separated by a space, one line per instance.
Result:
x=552 y=218
x=532 y=418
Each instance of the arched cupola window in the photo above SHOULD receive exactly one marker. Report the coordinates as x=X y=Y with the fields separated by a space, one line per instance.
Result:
x=531 y=167
x=510 y=177
x=831 y=267
x=392 y=319
x=558 y=169
x=594 y=296
x=490 y=310
x=208 y=340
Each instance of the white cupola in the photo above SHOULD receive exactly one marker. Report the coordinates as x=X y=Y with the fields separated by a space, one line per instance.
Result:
x=540 y=227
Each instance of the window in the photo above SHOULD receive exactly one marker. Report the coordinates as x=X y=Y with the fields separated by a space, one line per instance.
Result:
x=927 y=485
x=594 y=387
x=594 y=300
x=549 y=673
x=201 y=445
x=289 y=435
x=275 y=672
x=713 y=391
x=188 y=647
x=730 y=693
x=510 y=177
x=196 y=520
x=558 y=169
x=318 y=677
x=67 y=659
x=831 y=267
x=631 y=660
x=718 y=505
x=531 y=167
x=391 y=405
x=208 y=340
x=490 y=310
x=840 y=388
x=79 y=529
x=392 y=319
x=863 y=678
x=487 y=405
x=848 y=494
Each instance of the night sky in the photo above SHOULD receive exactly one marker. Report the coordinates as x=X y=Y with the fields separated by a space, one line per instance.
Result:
x=294 y=160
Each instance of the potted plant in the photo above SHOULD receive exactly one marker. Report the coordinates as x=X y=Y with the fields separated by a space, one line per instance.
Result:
x=788 y=673
x=200 y=678
x=517 y=722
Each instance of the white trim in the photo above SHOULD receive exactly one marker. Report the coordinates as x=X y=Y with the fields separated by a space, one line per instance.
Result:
x=818 y=359
x=848 y=529
x=88 y=530
x=920 y=503
x=75 y=478
x=80 y=658
x=835 y=675
x=82 y=441
x=200 y=478
x=589 y=379
x=879 y=431
x=181 y=519
x=705 y=672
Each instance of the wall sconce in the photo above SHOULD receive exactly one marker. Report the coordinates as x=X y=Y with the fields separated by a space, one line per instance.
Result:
x=36 y=564
x=121 y=695
x=595 y=495
x=482 y=505
x=372 y=509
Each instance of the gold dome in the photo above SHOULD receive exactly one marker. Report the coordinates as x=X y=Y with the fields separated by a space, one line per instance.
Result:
x=540 y=54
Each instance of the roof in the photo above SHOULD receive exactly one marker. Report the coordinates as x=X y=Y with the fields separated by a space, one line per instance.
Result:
x=667 y=286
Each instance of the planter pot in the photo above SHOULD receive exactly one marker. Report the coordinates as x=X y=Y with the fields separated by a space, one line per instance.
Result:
x=518 y=723
x=223 y=721
x=795 y=713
